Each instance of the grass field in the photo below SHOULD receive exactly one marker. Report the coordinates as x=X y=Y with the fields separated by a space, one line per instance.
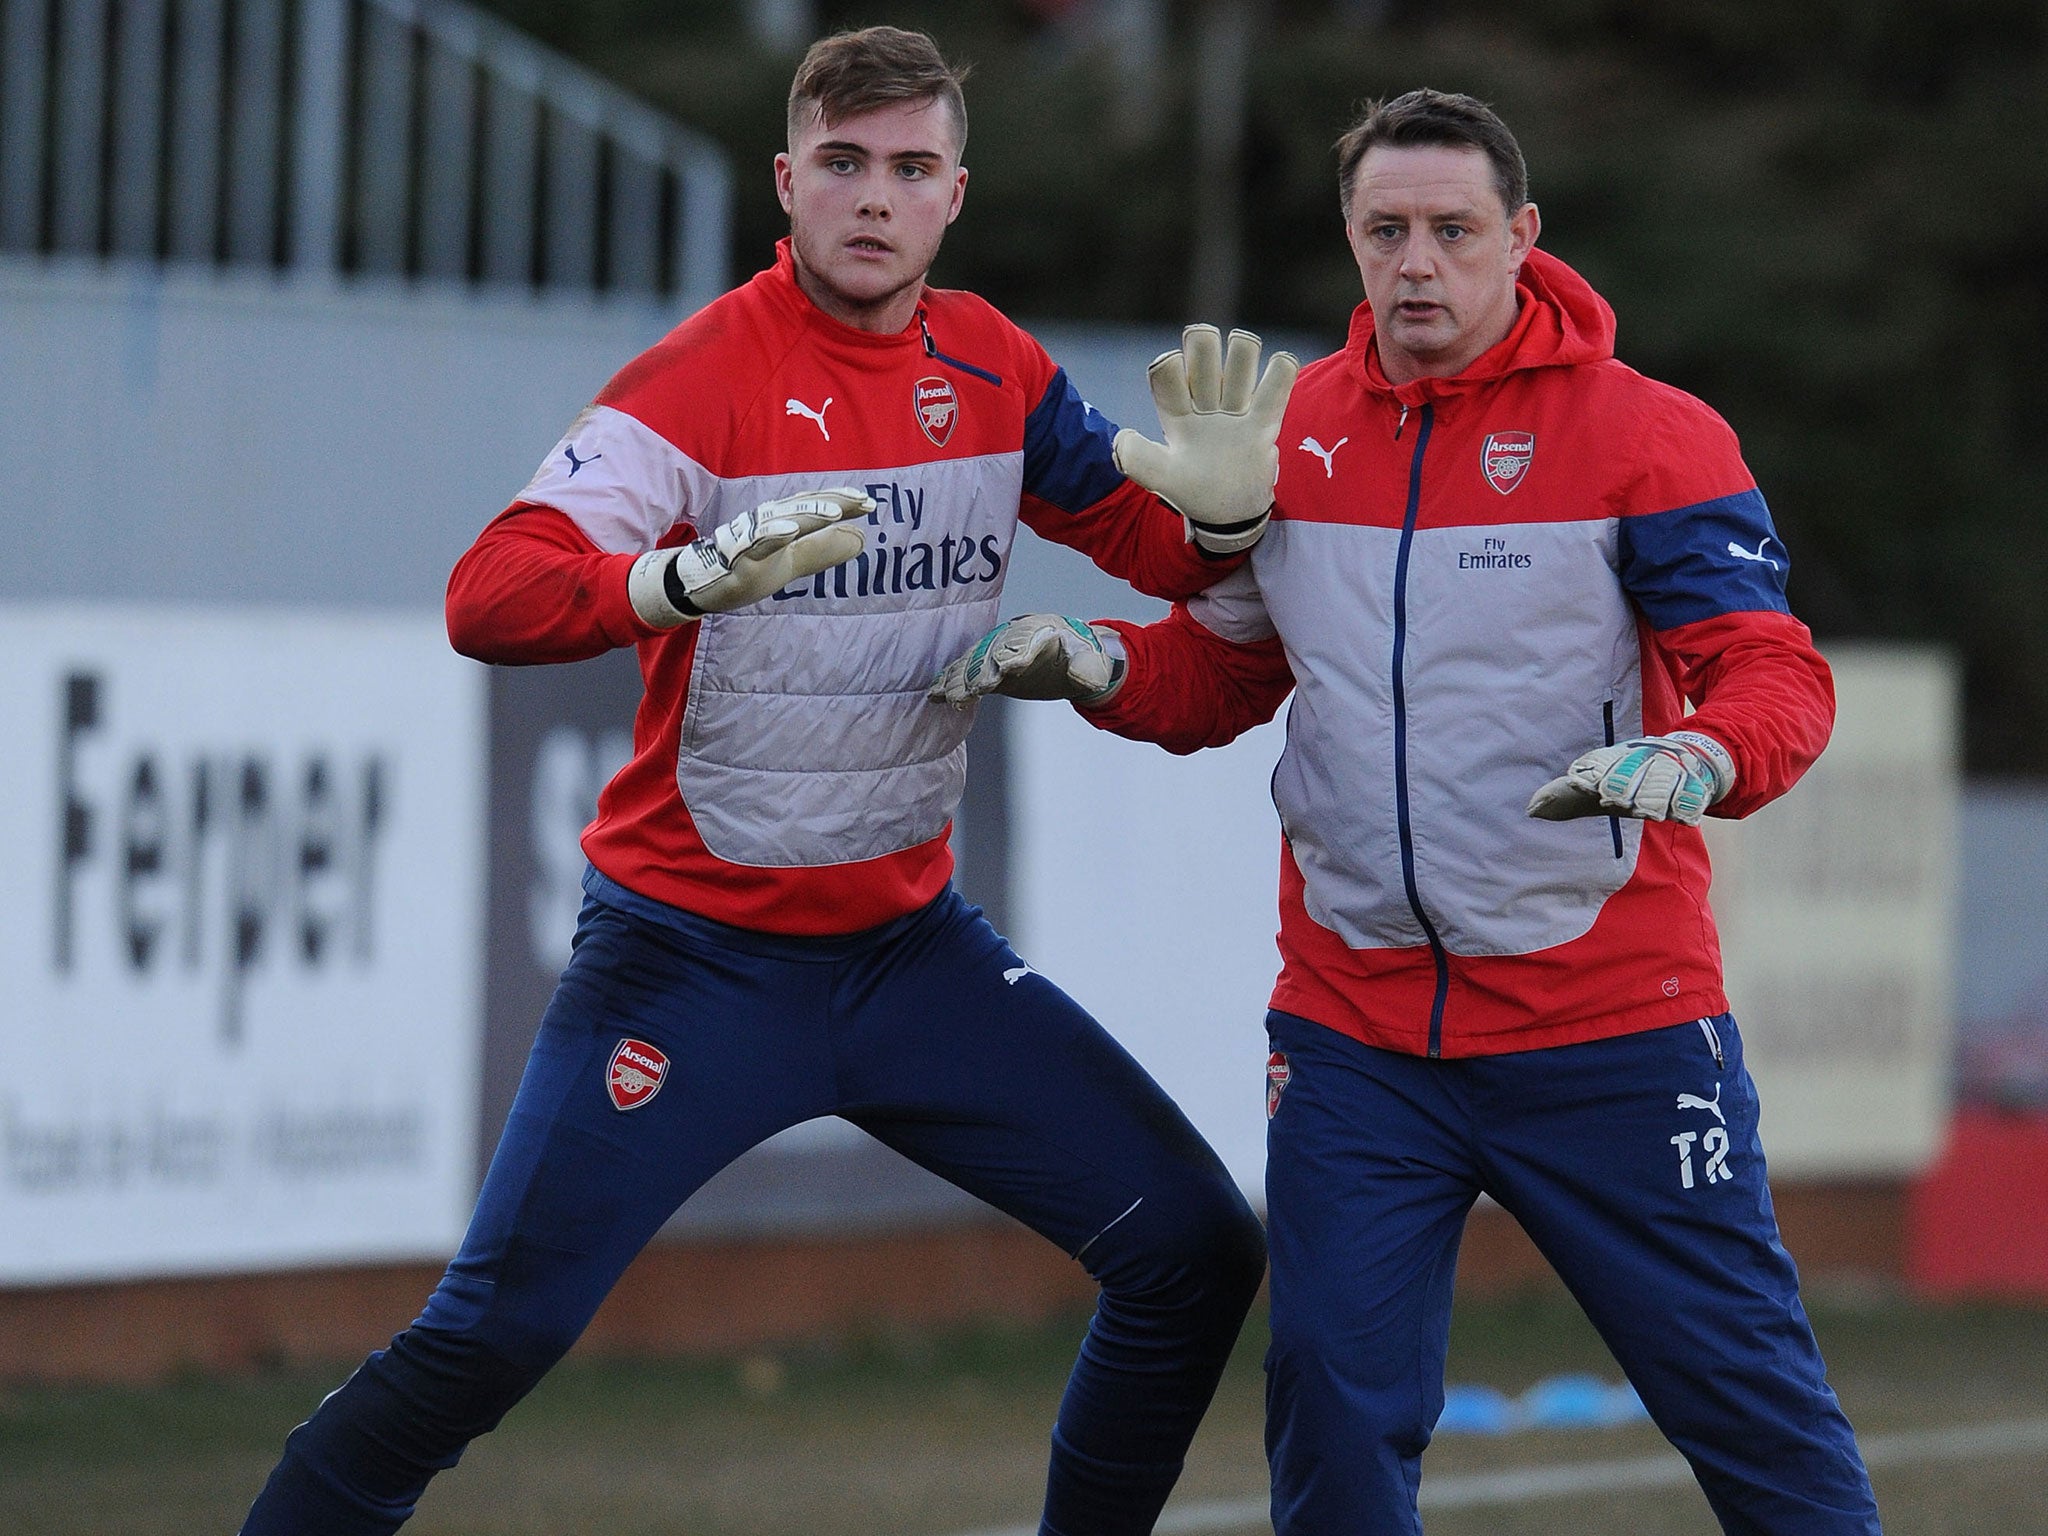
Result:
x=935 y=1437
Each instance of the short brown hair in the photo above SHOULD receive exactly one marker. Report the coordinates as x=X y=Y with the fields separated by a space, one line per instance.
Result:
x=854 y=72
x=1434 y=117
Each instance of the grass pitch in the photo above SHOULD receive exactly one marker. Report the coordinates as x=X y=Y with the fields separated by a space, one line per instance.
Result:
x=931 y=1437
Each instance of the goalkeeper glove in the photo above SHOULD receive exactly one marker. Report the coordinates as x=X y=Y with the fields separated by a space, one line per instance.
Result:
x=1652 y=778
x=1040 y=656
x=757 y=553
x=1221 y=454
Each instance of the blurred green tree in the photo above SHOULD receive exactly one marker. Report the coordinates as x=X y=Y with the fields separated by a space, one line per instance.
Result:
x=1830 y=221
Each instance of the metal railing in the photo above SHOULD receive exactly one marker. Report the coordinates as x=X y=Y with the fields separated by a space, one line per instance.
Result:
x=415 y=138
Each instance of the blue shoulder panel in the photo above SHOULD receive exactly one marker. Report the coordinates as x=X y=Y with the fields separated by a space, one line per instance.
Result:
x=1699 y=562
x=1067 y=449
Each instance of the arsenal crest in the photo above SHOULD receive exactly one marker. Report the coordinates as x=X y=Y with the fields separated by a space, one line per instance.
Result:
x=1505 y=459
x=636 y=1073
x=937 y=408
x=1278 y=1075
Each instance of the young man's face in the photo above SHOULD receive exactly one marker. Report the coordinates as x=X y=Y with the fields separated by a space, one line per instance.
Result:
x=1438 y=252
x=869 y=199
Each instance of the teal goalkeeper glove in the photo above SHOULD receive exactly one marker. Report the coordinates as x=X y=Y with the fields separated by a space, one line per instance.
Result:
x=757 y=553
x=1652 y=778
x=1221 y=454
x=1038 y=656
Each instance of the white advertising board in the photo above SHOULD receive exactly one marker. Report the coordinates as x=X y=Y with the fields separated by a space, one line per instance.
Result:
x=1145 y=885
x=1836 y=908
x=240 y=910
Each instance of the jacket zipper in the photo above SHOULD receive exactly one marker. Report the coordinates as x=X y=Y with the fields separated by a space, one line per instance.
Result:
x=1436 y=945
x=931 y=350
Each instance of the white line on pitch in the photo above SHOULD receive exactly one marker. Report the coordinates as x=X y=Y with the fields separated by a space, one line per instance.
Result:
x=1666 y=1469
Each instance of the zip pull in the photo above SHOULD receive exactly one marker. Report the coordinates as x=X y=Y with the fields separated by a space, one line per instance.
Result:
x=1713 y=1043
x=931 y=350
x=1403 y=422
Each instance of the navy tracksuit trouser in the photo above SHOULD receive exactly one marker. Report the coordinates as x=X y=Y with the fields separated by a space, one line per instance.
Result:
x=930 y=1034
x=1634 y=1165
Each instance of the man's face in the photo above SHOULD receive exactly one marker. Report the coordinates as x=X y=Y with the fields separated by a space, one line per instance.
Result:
x=1438 y=253
x=869 y=199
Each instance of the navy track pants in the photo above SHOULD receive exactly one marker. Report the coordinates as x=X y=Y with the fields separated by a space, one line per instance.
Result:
x=1634 y=1164
x=930 y=1034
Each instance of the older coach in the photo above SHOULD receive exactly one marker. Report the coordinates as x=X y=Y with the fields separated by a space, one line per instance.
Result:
x=1500 y=567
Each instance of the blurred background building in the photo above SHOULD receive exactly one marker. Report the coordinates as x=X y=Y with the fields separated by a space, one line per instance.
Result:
x=292 y=296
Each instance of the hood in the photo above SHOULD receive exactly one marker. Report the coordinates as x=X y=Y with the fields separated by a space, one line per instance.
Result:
x=1559 y=321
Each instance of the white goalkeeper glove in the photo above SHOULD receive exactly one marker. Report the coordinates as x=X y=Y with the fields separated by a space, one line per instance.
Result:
x=757 y=553
x=1652 y=778
x=1040 y=656
x=1221 y=454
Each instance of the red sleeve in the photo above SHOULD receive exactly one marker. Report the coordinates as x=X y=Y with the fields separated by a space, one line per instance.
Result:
x=1135 y=537
x=1761 y=690
x=1187 y=687
x=1074 y=494
x=533 y=588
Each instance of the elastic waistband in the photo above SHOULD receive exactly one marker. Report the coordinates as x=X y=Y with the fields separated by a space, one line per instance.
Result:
x=772 y=946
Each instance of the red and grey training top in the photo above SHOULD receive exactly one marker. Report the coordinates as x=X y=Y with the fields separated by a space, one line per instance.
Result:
x=789 y=774
x=1468 y=581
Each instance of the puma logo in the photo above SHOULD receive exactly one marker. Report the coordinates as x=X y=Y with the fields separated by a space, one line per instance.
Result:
x=1310 y=445
x=569 y=452
x=798 y=408
x=1713 y=1142
x=1711 y=1106
x=1017 y=973
x=1759 y=557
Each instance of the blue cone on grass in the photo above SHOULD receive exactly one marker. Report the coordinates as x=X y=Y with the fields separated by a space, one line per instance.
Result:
x=1570 y=1401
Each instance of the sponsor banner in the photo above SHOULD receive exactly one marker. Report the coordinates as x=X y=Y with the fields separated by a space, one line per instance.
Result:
x=239 y=925
x=1836 y=907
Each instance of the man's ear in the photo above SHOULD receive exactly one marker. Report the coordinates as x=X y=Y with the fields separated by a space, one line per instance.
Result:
x=959 y=194
x=782 y=180
x=1523 y=227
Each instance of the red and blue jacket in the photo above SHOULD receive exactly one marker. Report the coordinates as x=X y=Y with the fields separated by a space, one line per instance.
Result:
x=1469 y=581
x=789 y=774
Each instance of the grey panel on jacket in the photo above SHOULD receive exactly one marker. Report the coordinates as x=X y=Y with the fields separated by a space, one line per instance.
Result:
x=807 y=738
x=1517 y=640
